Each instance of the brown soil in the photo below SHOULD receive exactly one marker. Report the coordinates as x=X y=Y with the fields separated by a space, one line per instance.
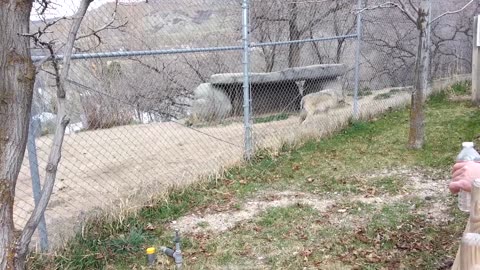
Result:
x=420 y=184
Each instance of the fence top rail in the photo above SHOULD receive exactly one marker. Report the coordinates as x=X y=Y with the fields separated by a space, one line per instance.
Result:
x=118 y=54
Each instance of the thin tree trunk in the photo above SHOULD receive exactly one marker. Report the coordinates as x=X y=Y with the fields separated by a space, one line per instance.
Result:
x=428 y=35
x=338 y=55
x=56 y=149
x=416 y=137
x=294 y=34
x=269 y=58
x=315 y=48
x=17 y=75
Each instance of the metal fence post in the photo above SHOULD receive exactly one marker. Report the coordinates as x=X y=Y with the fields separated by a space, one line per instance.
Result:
x=246 y=82
x=36 y=187
x=357 y=61
x=476 y=61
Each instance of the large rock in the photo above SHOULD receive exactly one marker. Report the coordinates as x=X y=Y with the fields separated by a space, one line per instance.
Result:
x=210 y=104
x=313 y=72
x=279 y=91
x=273 y=92
x=319 y=102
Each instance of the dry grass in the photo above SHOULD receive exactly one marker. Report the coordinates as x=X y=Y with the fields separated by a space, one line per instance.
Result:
x=357 y=200
x=121 y=168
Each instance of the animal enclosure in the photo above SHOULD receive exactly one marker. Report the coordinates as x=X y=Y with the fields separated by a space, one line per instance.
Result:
x=135 y=130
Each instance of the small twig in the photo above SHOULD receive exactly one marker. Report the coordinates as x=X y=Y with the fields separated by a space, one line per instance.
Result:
x=452 y=12
x=107 y=26
x=413 y=6
x=391 y=5
x=42 y=44
x=43 y=6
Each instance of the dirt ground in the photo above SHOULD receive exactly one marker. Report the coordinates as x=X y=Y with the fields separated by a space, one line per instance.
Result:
x=121 y=167
x=420 y=184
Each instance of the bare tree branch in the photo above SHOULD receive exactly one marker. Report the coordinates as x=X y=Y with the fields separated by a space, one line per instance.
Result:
x=392 y=5
x=43 y=6
x=195 y=69
x=37 y=40
x=108 y=26
x=55 y=152
x=452 y=12
x=413 y=6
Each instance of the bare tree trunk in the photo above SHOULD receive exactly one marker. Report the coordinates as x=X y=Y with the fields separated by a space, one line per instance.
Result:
x=55 y=152
x=294 y=32
x=17 y=75
x=339 y=52
x=316 y=49
x=428 y=36
x=269 y=58
x=416 y=138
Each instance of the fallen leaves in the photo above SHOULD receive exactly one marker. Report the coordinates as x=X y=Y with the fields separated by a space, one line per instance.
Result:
x=306 y=253
x=150 y=227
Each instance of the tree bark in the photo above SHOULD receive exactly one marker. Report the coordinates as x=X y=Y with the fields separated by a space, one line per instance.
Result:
x=428 y=38
x=55 y=152
x=269 y=56
x=416 y=138
x=294 y=34
x=17 y=76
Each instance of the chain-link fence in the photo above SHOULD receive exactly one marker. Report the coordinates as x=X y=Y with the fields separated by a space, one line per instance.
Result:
x=157 y=94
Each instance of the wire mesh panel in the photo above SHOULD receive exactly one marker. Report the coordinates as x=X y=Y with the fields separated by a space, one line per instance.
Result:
x=322 y=96
x=390 y=47
x=307 y=80
x=142 y=122
x=156 y=93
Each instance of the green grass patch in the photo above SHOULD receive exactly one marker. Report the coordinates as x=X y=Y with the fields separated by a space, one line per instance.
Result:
x=203 y=224
x=271 y=118
x=298 y=236
x=363 y=92
x=462 y=88
x=275 y=238
x=383 y=96
x=388 y=94
x=390 y=185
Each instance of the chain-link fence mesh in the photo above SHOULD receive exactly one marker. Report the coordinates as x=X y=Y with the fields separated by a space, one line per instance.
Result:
x=156 y=94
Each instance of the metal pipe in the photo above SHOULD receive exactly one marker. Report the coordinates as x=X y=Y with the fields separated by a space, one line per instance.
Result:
x=140 y=53
x=357 y=61
x=246 y=82
x=167 y=251
x=277 y=43
x=118 y=54
x=36 y=186
x=176 y=253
